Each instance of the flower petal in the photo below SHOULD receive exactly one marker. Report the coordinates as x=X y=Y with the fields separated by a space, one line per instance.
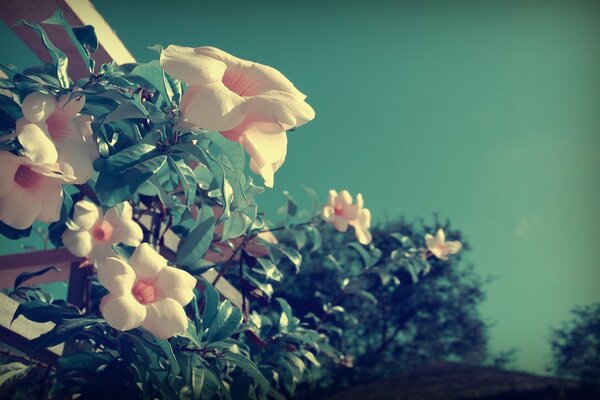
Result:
x=339 y=223
x=440 y=236
x=214 y=107
x=165 y=318
x=176 y=284
x=331 y=198
x=343 y=198
x=363 y=235
x=85 y=214
x=190 y=67
x=79 y=243
x=38 y=106
x=116 y=276
x=127 y=232
x=51 y=195
x=9 y=163
x=122 y=312
x=70 y=106
x=84 y=126
x=280 y=107
x=261 y=77
x=453 y=247
x=430 y=241
x=74 y=160
x=100 y=251
x=20 y=207
x=267 y=150
x=146 y=262
x=37 y=144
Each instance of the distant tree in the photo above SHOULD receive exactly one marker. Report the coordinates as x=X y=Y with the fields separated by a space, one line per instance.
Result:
x=403 y=325
x=576 y=345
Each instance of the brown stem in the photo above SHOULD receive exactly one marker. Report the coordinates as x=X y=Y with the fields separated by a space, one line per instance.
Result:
x=230 y=260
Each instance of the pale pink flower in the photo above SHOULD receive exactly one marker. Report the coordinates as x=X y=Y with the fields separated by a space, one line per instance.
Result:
x=438 y=246
x=247 y=102
x=145 y=292
x=29 y=191
x=341 y=212
x=95 y=233
x=53 y=131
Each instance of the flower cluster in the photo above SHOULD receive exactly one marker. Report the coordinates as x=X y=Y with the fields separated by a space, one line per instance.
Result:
x=58 y=148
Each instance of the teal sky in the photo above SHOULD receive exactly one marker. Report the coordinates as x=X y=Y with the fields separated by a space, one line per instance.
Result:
x=485 y=112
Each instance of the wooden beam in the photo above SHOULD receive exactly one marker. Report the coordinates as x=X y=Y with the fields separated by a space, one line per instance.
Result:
x=76 y=12
x=14 y=264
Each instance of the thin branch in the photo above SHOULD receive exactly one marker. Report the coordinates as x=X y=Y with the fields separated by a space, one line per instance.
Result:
x=25 y=359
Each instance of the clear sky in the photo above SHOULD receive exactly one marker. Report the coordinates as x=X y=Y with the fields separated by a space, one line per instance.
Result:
x=487 y=112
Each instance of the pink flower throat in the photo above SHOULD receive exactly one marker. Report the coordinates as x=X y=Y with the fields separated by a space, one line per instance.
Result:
x=145 y=292
x=338 y=210
x=103 y=231
x=27 y=178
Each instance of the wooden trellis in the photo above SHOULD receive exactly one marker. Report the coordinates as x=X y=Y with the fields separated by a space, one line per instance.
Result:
x=76 y=12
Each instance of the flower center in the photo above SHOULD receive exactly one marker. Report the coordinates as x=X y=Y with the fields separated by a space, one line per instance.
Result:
x=27 y=178
x=144 y=292
x=58 y=126
x=103 y=231
x=338 y=210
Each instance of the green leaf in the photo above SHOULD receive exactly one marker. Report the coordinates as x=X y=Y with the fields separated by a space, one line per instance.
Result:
x=24 y=276
x=84 y=39
x=270 y=269
x=314 y=199
x=86 y=35
x=173 y=364
x=126 y=110
x=12 y=370
x=250 y=369
x=193 y=248
x=186 y=178
x=189 y=150
x=364 y=255
x=123 y=173
x=227 y=320
x=211 y=303
x=286 y=315
x=153 y=74
x=290 y=253
x=61 y=333
x=39 y=311
x=13 y=233
x=237 y=224
x=60 y=59
x=315 y=237
x=198 y=374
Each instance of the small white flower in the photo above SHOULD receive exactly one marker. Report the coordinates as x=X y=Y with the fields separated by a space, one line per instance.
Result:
x=96 y=233
x=439 y=247
x=29 y=191
x=340 y=212
x=145 y=292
